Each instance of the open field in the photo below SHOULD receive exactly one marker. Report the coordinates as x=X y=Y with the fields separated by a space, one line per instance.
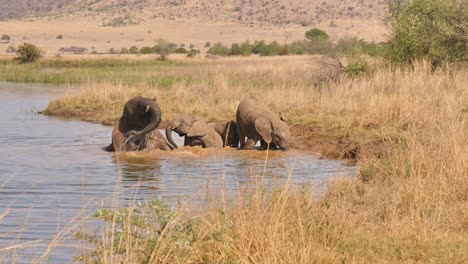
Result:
x=407 y=128
x=408 y=203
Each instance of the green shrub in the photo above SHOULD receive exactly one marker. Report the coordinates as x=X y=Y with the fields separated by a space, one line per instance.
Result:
x=146 y=50
x=298 y=47
x=246 y=49
x=27 y=53
x=316 y=34
x=356 y=63
x=181 y=50
x=218 y=49
x=123 y=51
x=432 y=29
x=272 y=49
x=192 y=53
x=235 y=50
x=258 y=46
x=133 y=50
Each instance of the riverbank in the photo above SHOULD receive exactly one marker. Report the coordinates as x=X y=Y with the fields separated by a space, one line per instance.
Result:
x=407 y=128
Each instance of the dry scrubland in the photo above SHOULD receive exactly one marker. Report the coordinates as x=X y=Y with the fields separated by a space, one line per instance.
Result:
x=409 y=204
x=100 y=25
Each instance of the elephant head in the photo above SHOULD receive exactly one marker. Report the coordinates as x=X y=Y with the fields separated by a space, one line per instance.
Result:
x=273 y=130
x=186 y=125
x=140 y=116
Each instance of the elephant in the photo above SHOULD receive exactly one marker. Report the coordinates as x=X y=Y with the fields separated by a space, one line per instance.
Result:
x=196 y=131
x=136 y=129
x=228 y=132
x=256 y=122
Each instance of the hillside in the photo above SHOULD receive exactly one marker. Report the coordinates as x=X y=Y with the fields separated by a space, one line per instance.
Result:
x=100 y=25
x=277 y=12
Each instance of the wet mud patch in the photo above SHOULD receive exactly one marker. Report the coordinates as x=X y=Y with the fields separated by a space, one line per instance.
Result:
x=323 y=142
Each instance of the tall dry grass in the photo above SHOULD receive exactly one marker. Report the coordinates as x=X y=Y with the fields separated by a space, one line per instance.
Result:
x=409 y=206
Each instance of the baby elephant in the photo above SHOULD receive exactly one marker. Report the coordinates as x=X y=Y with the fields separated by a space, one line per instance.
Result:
x=228 y=132
x=256 y=122
x=196 y=131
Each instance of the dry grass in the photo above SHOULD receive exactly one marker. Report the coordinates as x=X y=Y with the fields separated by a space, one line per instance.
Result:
x=409 y=206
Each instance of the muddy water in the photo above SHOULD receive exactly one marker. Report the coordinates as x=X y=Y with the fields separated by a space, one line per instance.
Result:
x=53 y=172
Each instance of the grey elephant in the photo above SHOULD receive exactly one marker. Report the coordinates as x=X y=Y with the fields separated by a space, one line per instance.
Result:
x=256 y=122
x=228 y=132
x=136 y=129
x=197 y=132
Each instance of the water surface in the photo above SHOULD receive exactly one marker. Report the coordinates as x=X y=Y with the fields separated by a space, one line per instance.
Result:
x=53 y=172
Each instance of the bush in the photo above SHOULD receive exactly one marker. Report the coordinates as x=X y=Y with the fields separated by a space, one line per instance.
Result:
x=246 y=49
x=258 y=46
x=28 y=53
x=60 y=36
x=356 y=64
x=192 y=53
x=298 y=47
x=218 y=49
x=181 y=50
x=235 y=50
x=433 y=29
x=272 y=49
x=124 y=51
x=146 y=50
x=133 y=50
x=316 y=34
x=5 y=38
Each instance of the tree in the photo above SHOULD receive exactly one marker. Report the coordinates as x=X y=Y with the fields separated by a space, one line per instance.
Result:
x=316 y=34
x=432 y=29
x=164 y=48
x=27 y=53
x=133 y=50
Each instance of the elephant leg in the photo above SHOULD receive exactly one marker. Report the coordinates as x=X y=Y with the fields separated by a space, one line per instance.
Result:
x=250 y=144
x=241 y=137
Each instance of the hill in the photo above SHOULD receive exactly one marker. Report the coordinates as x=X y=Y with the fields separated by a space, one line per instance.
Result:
x=101 y=25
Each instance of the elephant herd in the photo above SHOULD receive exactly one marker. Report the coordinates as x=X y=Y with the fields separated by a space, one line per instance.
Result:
x=137 y=128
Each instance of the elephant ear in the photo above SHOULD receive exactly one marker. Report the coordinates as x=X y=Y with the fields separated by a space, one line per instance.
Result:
x=263 y=127
x=198 y=129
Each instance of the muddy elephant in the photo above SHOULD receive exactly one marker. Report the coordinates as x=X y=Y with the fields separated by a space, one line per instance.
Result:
x=136 y=129
x=228 y=132
x=256 y=122
x=197 y=132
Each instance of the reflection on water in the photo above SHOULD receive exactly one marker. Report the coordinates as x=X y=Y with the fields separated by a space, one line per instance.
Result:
x=53 y=171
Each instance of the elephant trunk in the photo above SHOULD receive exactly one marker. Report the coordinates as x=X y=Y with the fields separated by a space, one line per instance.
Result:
x=155 y=117
x=169 y=128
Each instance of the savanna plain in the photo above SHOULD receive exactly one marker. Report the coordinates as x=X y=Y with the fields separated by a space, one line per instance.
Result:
x=404 y=125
